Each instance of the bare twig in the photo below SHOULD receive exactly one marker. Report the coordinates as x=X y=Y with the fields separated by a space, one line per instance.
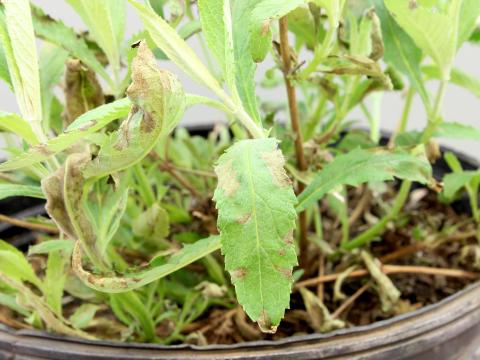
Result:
x=295 y=122
x=392 y=269
x=28 y=225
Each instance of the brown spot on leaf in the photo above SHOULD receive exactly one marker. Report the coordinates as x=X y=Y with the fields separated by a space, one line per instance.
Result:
x=148 y=123
x=286 y=272
x=265 y=27
x=288 y=239
x=281 y=252
x=227 y=178
x=412 y=4
x=265 y=324
x=238 y=274
x=43 y=150
x=244 y=218
x=275 y=162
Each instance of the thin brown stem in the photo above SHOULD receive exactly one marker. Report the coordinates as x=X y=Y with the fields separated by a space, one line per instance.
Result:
x=28 y=225
x=350 y=301
x=392 y=269
x=179 y=177
x=295 y=122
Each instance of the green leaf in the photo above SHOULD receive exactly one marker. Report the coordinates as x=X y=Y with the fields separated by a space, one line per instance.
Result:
x=401 y=52
x=14 y=265
x=88 y=123
x=54 y=281
x=46 y=247
x=245 y=66
x=4 y=74
x=61 y=35
x=11 y=302
x=265 y=12
x=159 y=103
x=52 y=66
x=434 y=31
x=457 y=77
x=9 y=190
x=134 y=280
x=177 y=50
x=15 y=124
x=453 y=182
x=256 y=218
x=215 y=17
x=83 y=315
x=154 y=223
x=20 y=48
x=105 y=20
x=469 y=14
x=455 y=130
x=360 y=166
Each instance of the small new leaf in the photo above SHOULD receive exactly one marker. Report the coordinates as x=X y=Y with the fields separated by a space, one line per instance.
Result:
x=256 y=218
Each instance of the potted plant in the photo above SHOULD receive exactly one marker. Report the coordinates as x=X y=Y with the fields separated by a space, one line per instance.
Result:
x=260 y=239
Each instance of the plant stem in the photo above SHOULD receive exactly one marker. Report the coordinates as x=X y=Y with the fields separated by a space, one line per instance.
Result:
x=402 y=125
x=376 y=229
x=321 y=52
x=435 y=119
x=295 y=122
x=28 y=225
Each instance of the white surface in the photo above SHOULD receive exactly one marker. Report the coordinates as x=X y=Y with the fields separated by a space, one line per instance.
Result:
x=459 y=104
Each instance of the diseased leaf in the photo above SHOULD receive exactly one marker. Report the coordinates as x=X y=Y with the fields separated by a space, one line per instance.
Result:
x=256 y=218
x=19 y=43
x=177 y=50
x=61 y=35
x=400 y=51
x=105 y=20
x=433 y=30
x=134 y=280
x=88 y=123
x=9 y=190
x=360 y=166
x=15 y=124
x=457 y=77
x=158 y=104
x=82 y=91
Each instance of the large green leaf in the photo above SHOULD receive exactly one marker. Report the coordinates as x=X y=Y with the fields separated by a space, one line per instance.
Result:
x=158 y=105
x=434 y=30
x=455 y=130
x=360 y=166
x=18 y=40
x=256 y=218
x=14 y=123
x=8 y=190
x=58 y=33
x=134 y=280
x=88 y=123
x=400 y=51
x=105 y=20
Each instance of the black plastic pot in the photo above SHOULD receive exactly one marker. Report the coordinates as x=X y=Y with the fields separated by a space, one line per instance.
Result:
x=449 y=329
